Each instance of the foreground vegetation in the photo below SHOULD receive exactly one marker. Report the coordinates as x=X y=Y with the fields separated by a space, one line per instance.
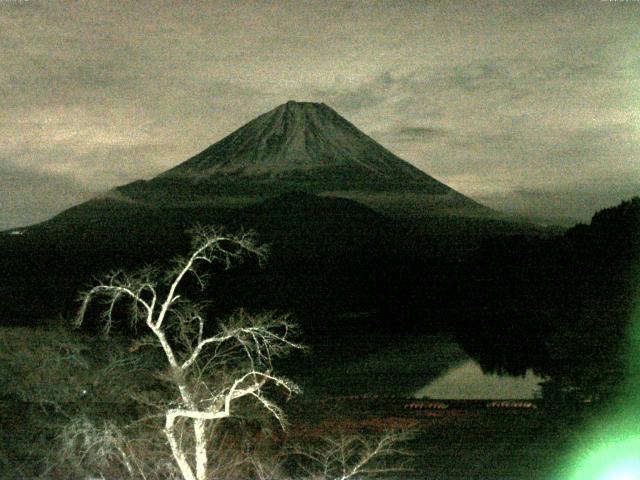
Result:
x=186 y=400
x=170 y=394
x=86 y=433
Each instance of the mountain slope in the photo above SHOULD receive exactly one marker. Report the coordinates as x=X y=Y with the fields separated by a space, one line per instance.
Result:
x=301 y=146
x=300 y=137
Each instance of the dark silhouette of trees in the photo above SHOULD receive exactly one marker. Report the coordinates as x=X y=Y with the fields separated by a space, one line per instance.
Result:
x=561 y=306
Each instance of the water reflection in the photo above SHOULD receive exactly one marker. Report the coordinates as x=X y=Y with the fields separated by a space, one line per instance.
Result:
x=467 y=381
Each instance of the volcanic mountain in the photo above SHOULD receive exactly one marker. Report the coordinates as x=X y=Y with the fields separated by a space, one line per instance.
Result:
x=328 y=198
x=301 y=146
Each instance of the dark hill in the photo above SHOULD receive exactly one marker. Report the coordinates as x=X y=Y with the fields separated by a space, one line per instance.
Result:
x=327 y=255
x=301 y=225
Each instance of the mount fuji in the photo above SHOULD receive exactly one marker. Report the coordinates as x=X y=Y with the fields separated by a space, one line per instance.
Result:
x=301 y=146
x=327 y=197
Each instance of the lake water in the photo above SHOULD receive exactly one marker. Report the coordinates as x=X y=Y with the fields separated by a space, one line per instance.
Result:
x=404 y=365
x=467 y=381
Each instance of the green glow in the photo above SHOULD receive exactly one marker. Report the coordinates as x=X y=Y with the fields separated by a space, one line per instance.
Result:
x=610 y=448
x=612 y=460
x=624 y=472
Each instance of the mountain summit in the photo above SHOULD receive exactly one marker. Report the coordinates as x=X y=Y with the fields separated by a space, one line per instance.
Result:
x=303 y=138
x=301 y=146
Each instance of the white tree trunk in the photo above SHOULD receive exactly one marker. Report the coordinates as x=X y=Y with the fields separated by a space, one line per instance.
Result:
x=201 y=449
x=177 y=452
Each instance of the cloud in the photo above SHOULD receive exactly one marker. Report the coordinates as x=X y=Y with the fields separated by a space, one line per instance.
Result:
x=565 y=206
x=414 y=133
x=364 y=95
x=410 y=134
x=30 y=197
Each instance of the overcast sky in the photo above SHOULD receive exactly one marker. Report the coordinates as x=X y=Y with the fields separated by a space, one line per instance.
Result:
x=526 y=106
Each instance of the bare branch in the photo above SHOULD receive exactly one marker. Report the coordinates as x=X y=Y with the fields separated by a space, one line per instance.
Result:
x=354 y=456
x=116 y=286
x=262 y=337
x=236 y=362
x=209 y=246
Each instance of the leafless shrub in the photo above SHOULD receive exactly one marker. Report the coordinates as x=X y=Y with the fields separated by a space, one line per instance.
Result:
x=354 y=456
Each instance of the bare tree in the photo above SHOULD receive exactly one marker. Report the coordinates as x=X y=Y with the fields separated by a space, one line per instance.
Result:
x=211 y=372
x=350 y=456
